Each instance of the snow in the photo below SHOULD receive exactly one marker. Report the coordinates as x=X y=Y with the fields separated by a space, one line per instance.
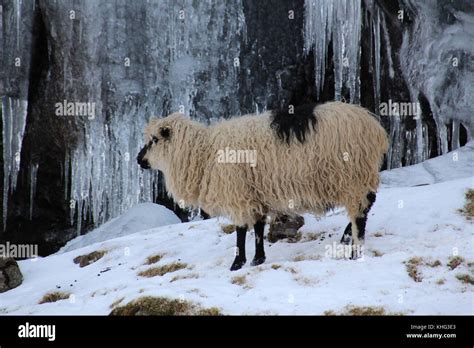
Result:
x=454 y=165
x=405 y=222
x=140 y=217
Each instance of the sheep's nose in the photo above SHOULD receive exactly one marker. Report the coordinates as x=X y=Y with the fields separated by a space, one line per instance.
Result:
x=141 y=161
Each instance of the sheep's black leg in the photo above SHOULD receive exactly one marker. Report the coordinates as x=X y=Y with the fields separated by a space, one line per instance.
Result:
x=346 y=236
x=362 y=220
x=360 y=223
x=240 y=259
x=259 y=257
x=205 y=215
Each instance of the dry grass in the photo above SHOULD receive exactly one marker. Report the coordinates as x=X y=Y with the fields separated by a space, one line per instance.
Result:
x=465 y=278
x=275 y=266
x=150 y=260
x=228 y=229
x=85 y=260
x=455 y=261
x=116 y=303
x=360 y=310
x=441 y=281
x=162 y=270
x=294 y=239
x=412 y=268
x=54 y=297
x=305 y=281
x=377 y=253
x=239 y=280
x=162 y=306
x=304 y=257
x=433 y=264
x=185 y=276
x=308 y=237
x=468 y=209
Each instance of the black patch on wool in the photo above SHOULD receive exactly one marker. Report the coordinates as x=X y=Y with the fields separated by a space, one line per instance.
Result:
x=295 y=124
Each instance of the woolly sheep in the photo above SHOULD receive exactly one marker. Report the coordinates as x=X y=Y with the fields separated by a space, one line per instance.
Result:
x=308 y=160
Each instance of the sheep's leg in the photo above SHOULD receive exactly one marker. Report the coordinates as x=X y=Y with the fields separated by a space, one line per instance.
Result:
x=346 y=236
x=358 y=227
x=259 y=257
x=240 y=259
x=357 y=243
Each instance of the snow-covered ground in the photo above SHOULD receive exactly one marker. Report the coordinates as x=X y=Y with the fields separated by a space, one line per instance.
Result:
x=140 y=217
x=298 y=278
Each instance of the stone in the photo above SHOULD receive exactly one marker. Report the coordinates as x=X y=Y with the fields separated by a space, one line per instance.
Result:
x=10 y=274
x=284 y=226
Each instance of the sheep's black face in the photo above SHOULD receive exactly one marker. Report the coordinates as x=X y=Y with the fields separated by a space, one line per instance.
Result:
x=141 y=157
x=156 y=137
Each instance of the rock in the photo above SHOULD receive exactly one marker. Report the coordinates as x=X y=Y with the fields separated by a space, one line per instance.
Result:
x=284 y=226
x=10 y=275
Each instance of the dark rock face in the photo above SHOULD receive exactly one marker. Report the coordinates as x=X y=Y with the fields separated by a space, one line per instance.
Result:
x=130 y=60
x=10 y=275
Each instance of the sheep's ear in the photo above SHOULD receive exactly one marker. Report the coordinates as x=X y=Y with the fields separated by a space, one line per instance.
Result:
x=165 y=132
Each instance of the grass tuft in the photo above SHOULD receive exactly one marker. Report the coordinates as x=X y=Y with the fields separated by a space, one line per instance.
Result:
x=54 y=296
x=361 y=311
x=162 y=270
x=412 y=268
x=468 y=209
x=455 y=261
x=465 y=278
x=185 y=276
x=239 y=280
x=162 y=306
x=86 y=260
x=228 y=229
x=434 y=264
x=150 y=260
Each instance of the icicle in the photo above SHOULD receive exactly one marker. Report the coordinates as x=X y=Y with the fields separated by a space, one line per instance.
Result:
x=14 y=121
x=455 y=135
x=18 y=18
x=33 y=174
x=339 y=21
x=105 y=179
x=376 y=29
x=67 y=163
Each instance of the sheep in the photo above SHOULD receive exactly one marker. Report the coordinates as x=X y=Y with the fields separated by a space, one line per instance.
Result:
x=309 y=159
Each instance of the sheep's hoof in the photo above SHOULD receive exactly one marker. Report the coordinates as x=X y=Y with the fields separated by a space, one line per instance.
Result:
x=237 y=264
x=258 y=261
x=346 y=239
x=357 y=251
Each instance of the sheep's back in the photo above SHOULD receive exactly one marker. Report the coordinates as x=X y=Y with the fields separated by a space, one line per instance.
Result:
x=339 y=159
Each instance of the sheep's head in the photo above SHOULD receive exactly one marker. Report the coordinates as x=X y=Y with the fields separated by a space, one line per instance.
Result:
x=159 y=136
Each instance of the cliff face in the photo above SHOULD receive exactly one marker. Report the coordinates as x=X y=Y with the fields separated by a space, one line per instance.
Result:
x=80 y=79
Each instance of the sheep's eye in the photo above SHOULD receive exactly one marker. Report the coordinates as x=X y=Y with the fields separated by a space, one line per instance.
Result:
x=154 y=139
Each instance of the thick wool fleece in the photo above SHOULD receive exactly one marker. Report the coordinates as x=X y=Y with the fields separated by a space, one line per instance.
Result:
x=337 y=165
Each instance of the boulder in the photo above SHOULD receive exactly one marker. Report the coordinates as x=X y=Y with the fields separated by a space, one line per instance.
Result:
x=10 y=274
